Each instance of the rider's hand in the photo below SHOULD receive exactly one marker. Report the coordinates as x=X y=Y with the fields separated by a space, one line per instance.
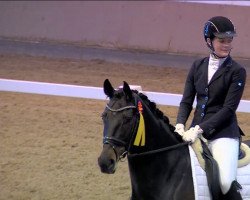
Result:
x=192 y=134
x=179 y=128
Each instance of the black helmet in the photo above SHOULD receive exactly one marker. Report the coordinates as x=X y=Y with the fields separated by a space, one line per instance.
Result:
x=220 y=27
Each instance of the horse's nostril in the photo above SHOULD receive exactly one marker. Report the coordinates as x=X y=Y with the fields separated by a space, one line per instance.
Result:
x=107 y=165
x=110 y=164
x=112 y=161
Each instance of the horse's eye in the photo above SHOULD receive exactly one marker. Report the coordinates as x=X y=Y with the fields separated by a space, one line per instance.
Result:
x=127 y=118
x=128 y=114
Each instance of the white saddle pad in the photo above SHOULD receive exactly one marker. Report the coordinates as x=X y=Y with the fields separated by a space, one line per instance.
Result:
x=200 y=180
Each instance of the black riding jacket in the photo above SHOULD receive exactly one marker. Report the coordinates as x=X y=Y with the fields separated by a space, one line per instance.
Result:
x=217 y=100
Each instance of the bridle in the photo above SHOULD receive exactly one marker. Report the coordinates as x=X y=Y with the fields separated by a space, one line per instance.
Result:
x=119 y=109
x=112 y=141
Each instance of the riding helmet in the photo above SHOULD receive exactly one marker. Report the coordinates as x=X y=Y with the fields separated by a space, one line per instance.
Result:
x=220 y=27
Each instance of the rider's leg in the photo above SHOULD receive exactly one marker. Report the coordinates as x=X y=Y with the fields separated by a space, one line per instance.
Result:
x=225 y=151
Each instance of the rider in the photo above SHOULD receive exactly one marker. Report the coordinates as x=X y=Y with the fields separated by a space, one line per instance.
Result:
x=217 y=82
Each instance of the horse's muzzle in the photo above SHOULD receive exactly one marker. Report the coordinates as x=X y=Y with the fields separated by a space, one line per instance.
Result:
x=107 y=165
x=107 y=160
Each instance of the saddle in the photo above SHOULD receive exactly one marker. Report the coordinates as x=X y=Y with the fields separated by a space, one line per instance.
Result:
x=210 y=166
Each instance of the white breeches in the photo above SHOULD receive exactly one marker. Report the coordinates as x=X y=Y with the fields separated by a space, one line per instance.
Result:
x=225 y=151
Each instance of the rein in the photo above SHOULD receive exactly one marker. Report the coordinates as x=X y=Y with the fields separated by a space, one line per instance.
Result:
x=108 y=140
x=160 y=150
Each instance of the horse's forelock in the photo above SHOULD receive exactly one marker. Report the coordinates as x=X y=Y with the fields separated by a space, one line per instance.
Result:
x=119 y=93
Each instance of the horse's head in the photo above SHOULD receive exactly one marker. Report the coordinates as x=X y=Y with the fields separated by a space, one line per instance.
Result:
x=127 y=118
x=119 y=119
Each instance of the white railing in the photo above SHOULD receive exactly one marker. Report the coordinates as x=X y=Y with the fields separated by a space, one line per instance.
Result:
x=90 y=92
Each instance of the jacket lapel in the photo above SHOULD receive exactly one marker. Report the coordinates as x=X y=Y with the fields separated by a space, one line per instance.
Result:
x=204 y=69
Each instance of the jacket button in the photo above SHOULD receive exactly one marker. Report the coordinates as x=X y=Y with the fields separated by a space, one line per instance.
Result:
x=203 y=106
x=202 y=114
x=206 y=89
x=206 y=98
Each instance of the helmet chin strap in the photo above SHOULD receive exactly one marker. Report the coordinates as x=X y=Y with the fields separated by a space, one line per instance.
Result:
x=219 y=57
x=210 y=45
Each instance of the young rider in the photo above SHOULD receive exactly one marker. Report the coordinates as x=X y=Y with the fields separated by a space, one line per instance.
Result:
x=217 y=82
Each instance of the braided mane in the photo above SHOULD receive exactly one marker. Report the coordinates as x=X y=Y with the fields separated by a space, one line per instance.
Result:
x=158 y=113
x=152 y=106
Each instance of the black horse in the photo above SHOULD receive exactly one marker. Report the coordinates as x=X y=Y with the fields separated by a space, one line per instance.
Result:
x=159 y=162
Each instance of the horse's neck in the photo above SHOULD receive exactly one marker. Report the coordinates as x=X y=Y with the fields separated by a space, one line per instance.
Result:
x=158 y=134
x=162 y=176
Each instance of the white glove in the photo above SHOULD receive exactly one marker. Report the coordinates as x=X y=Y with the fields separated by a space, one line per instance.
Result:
x=192 y=134
x=179 y=128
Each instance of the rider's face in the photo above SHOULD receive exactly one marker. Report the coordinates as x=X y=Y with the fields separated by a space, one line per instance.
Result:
x=222 y=46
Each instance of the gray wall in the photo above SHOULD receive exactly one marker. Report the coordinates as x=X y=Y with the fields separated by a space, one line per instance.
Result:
x=147 y=25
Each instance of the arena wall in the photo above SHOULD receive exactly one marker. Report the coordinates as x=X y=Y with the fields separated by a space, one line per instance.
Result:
x=173 y=27
x=77 y=91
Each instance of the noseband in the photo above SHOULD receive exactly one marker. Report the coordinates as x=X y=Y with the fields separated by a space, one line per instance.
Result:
x=112 y=141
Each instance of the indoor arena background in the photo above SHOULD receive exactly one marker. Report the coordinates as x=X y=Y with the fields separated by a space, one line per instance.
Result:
x=49 y=145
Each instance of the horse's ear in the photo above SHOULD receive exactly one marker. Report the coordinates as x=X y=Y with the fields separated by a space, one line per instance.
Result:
x=127 y=90
x=108 y=88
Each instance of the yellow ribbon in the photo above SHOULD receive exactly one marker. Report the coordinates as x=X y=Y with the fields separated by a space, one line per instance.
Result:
x=140 y=135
